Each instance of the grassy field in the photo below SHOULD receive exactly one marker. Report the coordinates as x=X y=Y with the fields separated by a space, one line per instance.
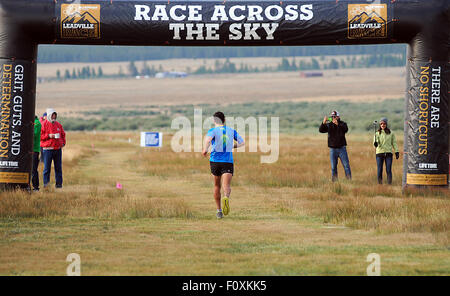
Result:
x=355 y=85
x=294 y=117
x=286 y=218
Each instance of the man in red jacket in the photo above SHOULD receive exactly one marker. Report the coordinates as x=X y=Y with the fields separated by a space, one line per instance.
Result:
x=53 y=138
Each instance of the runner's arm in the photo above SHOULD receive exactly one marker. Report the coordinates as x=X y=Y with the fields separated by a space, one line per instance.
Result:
x=237 y=145
x=206 y=144
x=239 y=140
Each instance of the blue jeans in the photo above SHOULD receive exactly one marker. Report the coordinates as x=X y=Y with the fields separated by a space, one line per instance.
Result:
x=341 y=153
x=56 y=157
x=381 y=159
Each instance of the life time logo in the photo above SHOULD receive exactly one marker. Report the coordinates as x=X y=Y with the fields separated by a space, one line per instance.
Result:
x=80 y=21
x=367 y=21
x=428 y=166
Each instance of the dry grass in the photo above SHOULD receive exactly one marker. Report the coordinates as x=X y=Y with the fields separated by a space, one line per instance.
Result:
x=71 y=97
x=95 y=203
x=304 y=166
x=162 y=222
x=397 y=215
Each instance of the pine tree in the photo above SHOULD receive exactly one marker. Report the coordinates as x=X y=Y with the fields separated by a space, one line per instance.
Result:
x=284 y=65
x=100 y=72
x=333 y=64
x=83 y=74
x=133 y=71
x=293 y=64
x=303 y=66
x=145 y=70
x=315 y=64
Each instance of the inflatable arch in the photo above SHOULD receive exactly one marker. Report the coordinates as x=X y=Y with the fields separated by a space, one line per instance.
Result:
x=423 y=24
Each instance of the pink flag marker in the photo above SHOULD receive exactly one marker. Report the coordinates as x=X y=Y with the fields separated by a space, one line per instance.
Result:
x=118 y=185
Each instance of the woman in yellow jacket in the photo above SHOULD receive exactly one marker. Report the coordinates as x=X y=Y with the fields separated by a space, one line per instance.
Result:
x=385 y=142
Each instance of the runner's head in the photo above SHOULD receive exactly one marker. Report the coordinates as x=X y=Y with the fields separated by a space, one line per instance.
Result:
x=219 y=118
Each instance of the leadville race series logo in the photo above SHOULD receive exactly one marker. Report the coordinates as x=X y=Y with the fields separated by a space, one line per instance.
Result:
x=367 y=21
x=80 y=21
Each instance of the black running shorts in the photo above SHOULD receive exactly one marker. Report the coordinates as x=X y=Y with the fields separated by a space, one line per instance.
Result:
x=220 y=168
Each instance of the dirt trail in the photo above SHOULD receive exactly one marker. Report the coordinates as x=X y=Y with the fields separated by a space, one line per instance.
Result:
x=252 y=209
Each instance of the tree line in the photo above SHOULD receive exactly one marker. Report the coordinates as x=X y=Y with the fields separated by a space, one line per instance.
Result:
x=371 y=61
x=88 y=72
x=85 y=54
x=286 y=64
x=80 y=73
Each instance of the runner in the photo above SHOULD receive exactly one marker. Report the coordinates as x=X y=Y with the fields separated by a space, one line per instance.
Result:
x=221 y=161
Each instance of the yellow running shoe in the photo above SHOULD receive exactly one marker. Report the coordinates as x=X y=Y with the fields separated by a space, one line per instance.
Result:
x=226 y=206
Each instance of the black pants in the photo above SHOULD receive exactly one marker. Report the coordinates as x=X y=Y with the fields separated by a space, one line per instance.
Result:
x=34 y=172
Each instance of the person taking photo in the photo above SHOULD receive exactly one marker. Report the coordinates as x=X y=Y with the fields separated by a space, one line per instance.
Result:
x=336 y=129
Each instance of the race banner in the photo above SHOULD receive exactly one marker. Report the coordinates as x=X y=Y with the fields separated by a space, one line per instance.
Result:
x=426 y=129
x=17 y=80
x=224 y=23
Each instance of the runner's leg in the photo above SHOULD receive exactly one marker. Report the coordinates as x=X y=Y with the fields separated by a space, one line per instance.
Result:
x=227 y=191
x=227 y=184
x=217 y=186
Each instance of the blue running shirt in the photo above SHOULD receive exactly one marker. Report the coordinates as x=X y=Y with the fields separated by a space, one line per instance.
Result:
x=222 y=143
